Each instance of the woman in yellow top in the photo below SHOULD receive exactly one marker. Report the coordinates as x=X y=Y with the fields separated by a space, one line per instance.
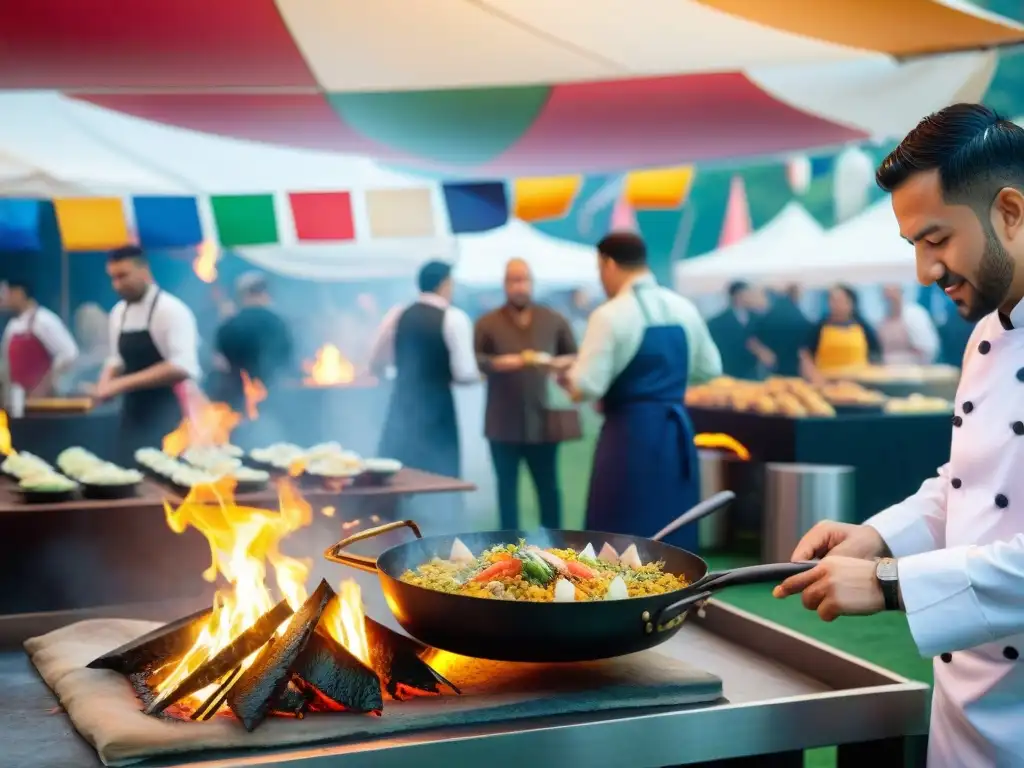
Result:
x=841 y=340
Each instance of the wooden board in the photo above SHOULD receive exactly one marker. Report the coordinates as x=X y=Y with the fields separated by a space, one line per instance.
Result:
x=150 y=494
x=104 y=710
x=59 y=405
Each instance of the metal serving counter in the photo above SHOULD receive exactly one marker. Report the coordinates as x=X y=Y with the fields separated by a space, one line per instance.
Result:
x=785 y=693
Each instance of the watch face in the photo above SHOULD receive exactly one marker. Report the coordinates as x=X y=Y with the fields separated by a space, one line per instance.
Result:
x=886 y=570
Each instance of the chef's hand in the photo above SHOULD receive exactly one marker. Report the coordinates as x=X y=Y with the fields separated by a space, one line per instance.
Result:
x=837 y=586
x=105 y=390
x=506 y=363
x=840 y=539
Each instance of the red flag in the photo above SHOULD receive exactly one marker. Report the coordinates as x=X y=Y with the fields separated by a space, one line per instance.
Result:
x=736 y=224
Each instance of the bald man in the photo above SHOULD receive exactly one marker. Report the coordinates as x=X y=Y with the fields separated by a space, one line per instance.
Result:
x=517 y=347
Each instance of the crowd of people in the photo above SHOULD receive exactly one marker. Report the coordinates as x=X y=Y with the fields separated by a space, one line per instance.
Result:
x=763 y=333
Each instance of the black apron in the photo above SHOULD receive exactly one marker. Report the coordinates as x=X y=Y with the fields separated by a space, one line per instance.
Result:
x=147 y=415
x=421 y=429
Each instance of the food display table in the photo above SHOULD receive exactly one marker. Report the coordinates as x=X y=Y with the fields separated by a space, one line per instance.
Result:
x=891 y=453
x=783 y=694
x=84 y=554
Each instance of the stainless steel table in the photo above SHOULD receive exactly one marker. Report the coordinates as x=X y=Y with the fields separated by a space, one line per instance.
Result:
x=785 y=693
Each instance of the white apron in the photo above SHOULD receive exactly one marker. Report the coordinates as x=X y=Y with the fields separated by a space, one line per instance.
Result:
x=965 y=595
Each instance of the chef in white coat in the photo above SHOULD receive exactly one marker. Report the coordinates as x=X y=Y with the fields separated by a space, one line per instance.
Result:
x=952 y=555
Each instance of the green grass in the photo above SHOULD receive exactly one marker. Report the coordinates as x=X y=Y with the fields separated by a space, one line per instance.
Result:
x=883 y=639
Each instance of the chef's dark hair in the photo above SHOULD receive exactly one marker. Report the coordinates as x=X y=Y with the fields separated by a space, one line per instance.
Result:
x=976 y=151
x=737 y=287
x=432 y=275
x=126 y=252
x=23 y=286
x=625 y=249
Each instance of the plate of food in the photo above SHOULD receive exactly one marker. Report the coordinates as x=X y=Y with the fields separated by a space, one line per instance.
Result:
x=379 y=471
x=250 y=480
x=47 y=488
x=277 y=457
x=22 y=464
x=109 y=481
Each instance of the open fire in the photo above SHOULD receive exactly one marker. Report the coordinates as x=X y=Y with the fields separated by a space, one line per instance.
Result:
x=329 y=368
x=251 y=655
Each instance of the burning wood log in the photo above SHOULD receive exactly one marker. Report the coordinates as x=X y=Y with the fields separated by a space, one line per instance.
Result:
x=397 y=661
x=292 y=702
x=334 y=679
x=154 y=648
x=212 y=670
x=263 y=682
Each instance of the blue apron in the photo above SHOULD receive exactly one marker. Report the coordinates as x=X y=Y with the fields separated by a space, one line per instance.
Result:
x=645 y=470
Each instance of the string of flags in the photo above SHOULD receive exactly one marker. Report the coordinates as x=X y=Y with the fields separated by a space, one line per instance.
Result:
x=169 y=222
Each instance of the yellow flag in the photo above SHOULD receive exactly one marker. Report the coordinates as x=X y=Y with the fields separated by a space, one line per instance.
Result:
x=92 y=223
x=659 y=188
x=549 y=197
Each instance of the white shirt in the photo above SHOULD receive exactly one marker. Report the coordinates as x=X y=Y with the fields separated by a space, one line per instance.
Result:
x=456 y=327
x=909 y=339
x=616 y=330
x=173 y=328
x=51 y=332
x=960 y=547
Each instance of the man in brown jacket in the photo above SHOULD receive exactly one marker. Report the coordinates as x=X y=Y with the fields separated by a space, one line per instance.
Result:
x=518 y=346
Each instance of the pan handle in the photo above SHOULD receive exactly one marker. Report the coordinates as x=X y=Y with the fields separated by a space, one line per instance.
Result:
x=701 y=590
x=361 y=562
x=705 y=508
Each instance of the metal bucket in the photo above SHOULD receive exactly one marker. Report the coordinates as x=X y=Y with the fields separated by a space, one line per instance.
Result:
x=796 y=497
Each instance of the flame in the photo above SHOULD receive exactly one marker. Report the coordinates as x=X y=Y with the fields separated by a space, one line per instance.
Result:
x=6 y=448
x=205 y=262
x=255 y=393
x=345 y=621
x=327 y=511
x=242 y=541
x=329 y=368
x=210 y=424
x=719 y=440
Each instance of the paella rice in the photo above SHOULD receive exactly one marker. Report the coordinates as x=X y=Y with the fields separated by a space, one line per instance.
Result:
x=528 y=573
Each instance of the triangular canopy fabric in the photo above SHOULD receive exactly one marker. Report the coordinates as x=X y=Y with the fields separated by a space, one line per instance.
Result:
x=757 y=258
x=513 y=87
x=554 y=262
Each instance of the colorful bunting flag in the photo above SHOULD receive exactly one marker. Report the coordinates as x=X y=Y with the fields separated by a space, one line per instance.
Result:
x=624 y=217
x=244 y=219
x=91 y=223
x=476 y=206
x=549 y=197
x=736 y=224
x=167 y=222
x=659 y=188
x=19 y=225
x=322 y=215
x=400 y=213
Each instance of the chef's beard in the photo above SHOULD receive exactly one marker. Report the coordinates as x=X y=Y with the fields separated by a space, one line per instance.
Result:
x=519 y=305
x=995 y=275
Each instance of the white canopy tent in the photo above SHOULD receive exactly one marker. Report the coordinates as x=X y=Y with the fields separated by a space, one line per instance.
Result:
x=866 y=249
x=764 y=257
x=555 y=263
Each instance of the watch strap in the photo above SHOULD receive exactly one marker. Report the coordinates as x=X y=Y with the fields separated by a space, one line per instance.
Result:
x=890 y=585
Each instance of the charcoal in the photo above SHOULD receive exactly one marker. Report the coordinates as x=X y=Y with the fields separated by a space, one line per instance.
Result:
x=397 y=661
x=212 y=670
x=154 y=648
x=293 y=701
x=262 y=683
x=339 y=681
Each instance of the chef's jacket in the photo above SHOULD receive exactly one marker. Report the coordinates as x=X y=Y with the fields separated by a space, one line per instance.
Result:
x=172 y=326
x=960 y=545
x=616 y=329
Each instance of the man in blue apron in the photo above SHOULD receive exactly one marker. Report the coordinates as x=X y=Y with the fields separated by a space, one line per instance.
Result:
x=640 y=350
x=155 y=349
x=430 y=346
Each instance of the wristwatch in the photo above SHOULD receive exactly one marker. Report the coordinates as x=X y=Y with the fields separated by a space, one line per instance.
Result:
x=889 y=580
